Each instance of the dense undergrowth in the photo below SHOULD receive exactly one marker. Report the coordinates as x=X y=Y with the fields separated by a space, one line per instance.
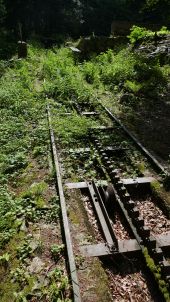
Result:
x=25 y=183
x=58 y=77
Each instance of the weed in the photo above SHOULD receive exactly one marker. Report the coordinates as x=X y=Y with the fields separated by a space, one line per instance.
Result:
x=91 y=73
x=38 y=150
x=36 y=191
x=79 y=261
x=24 y=251
x=4 y=259
x=59 y=286
x=133 y=86
x=139 y=33
x=70 y=129
x=20 y=275
x=163 y=31
x=57 y=251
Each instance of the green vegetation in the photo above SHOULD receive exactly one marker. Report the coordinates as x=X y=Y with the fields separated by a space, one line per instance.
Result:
x=24 y=179
x=157 y=274
x=54 y=20
x=57 y=251
x=141 y=34
x=56 y=77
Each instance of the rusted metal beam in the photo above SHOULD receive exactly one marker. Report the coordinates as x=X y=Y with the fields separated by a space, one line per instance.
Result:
x=163 y=240
x=102 y=215
x=102 y=249
x=151 y=158
x=70 y=254
x=101 y=128
x=126 y=246
x=86 y=113
x=79 y=150
x=137 y=181
x=83 y=184
x=76 y=185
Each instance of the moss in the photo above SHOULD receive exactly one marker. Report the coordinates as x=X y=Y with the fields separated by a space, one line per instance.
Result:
x=155 y=185
x=28 y=289
x=102 y=288
x=7 y=288
x=74 y=217
x=141 y=166
x=156 y=272
x=161 y=196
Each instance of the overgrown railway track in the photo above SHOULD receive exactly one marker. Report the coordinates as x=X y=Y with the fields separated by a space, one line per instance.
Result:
x=120 y=181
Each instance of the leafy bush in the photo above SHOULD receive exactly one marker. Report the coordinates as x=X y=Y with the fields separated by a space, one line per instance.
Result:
x=133 y=86
x=64 y=79
x=91 y=72
x=57 y=251
x=116 y=68
x=139 y=33
x=163 y=31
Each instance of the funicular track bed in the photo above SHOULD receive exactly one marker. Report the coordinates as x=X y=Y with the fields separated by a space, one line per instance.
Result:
x=120 y=236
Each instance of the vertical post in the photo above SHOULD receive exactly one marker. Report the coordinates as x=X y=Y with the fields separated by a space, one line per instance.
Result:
x=22 y=49
x=22 y=46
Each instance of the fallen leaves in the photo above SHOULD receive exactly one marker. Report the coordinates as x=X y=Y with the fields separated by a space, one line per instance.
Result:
x=153 y=216
x=131 y=287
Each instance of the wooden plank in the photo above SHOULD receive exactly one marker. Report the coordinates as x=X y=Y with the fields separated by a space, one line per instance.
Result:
x=102 y=128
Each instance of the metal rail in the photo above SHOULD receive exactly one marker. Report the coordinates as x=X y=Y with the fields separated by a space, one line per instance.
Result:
x=67 y=234
x=133 y=219
x=127 y=206
x=152 y=159
x=103 y=217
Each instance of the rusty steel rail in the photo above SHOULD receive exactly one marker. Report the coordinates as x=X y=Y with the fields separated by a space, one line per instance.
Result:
x=102 y=215
x=132 y=216
x=122 y=198
x=151 y=158
x=67 y=234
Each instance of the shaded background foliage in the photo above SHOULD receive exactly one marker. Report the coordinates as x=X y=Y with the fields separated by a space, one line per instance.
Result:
x=78 y=17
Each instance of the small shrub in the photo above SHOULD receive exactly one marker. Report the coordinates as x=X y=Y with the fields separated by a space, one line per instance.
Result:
x=4 y=259
x=56 y=251
x=139 y=33
x=133 y=86
x=91 y=72
x=163 y=31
